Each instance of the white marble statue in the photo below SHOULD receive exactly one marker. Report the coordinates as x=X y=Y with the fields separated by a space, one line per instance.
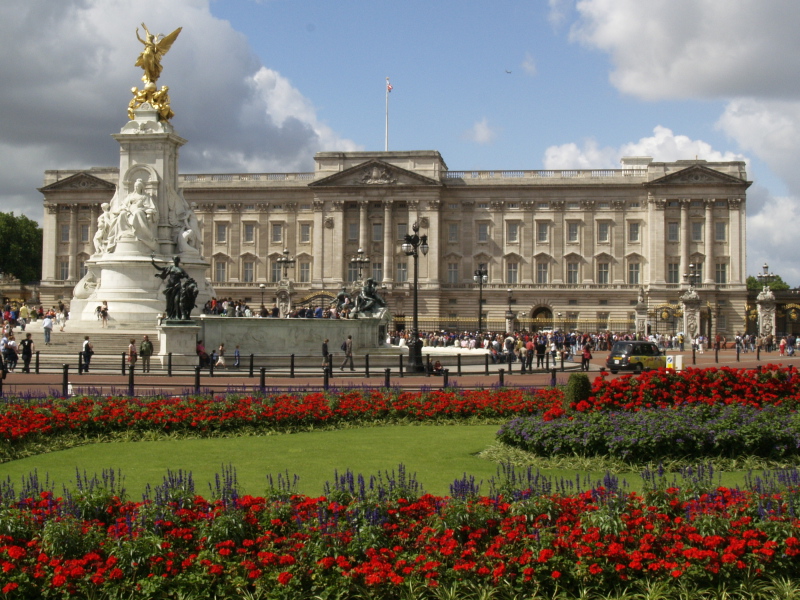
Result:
x=135 y=218
x=104 y=223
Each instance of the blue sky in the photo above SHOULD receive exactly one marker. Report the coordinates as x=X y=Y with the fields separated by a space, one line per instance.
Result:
x=263 y=85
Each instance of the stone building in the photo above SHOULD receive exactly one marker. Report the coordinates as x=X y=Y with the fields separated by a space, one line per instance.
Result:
x=566 y=248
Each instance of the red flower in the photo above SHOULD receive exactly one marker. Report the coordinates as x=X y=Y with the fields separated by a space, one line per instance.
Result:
x=284 y=578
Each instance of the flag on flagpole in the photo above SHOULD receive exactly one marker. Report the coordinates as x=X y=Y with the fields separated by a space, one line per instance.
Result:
x=388 y=85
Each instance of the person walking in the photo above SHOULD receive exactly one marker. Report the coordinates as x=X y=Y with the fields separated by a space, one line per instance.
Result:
x=104 y=315
x=220 y=356
x=47 y=328
x=87 y=351
x=586 y=357
x=237 y=358
x=132 y=354
x=26 y=349
x=146 y=351
x=347 y=346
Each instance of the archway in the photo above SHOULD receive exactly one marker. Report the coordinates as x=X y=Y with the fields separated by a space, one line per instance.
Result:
x=541 y=318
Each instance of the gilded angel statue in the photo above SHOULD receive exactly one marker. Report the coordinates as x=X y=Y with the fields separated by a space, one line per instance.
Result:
x=154 y=49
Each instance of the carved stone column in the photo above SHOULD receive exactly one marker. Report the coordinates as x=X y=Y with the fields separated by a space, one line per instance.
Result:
x=388 y=243
x=766 y=312
x=73 y=242
x=691 y=313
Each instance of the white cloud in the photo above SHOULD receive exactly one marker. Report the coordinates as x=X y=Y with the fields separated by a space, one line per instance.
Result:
x=529 y=64
x=695 y=48
x=663 y=145
x=72 y=69
x=557 y=12
x=480 y=133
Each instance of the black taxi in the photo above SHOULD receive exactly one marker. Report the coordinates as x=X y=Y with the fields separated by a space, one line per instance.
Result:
x=635 y=356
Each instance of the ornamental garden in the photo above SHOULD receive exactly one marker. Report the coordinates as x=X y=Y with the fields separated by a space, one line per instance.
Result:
x=603 y=489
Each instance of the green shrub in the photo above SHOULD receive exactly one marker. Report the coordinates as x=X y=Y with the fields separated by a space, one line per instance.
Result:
x=578 y=388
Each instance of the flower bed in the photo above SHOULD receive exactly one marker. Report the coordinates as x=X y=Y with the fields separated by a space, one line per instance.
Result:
x=390 y=541
x=770 y=385
x=661 y=434
x=24 y=422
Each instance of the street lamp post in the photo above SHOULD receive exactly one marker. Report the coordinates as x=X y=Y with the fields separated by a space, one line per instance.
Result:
x=480 y=277
x=262 y=286
x=286 y=262
x=360 y=260
x=412 y=246
x=766 y=278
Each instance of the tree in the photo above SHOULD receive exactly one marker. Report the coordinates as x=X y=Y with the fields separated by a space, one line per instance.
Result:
x=20 y=247
x=776 y=285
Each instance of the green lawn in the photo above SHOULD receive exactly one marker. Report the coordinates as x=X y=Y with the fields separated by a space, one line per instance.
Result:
x=438 y=454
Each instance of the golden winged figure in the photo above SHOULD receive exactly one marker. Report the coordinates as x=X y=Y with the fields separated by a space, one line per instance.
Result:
x=154 y=49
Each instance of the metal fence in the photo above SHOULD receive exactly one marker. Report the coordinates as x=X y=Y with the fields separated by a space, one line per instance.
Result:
x=470 y=324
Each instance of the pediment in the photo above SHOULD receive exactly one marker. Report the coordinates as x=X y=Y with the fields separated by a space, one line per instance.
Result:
x=79 y=182
x=698 y=175
x=375 y=173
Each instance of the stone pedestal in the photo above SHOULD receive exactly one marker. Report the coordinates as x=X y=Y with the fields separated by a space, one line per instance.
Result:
x=120 y=273
x=766 y=312
x=691 y=314
x=180 y=339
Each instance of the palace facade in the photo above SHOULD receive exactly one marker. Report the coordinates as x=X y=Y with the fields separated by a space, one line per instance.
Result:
x=571 y=248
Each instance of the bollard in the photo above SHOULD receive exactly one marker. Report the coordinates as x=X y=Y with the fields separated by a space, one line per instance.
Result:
x=330 y=366
x=387 y=374
x=694 y=355
x=291 y=366
x=366 y=365
x=251 y=366
x=64 y=381
x=401 y=364
x=130 y=378
x=325 y=379
x=80 y=363
x=211 y=368
x=446 y=378
x=197 y=379
x=428 y=366
x=737 y=353
x=485 y=364
x=758 y=353
x=458 y=362
x=124 y=354
x=169 y=364
x=502 y=377
x=2 y=376
x=553 y=377
x=562 y=360
x=262 y=379
x=716 y=355
x=510 y=363
x=522 y=364
x=37 y=362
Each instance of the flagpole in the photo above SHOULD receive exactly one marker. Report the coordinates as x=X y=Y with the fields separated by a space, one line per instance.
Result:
x=388 y=89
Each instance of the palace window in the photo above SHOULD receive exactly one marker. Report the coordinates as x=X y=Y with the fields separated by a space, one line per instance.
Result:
x=452 y=272
x=673 y=231
x=673 y=272
x=63 y=269
x=720 y=231
x=277 y=233
x=512 y=236
x=65 y=232
x=452 y=232
x=402 y=230
x=602 y=273
x=275 y=272
x=721 y=273
x=633 y=232
x=512 y=272
x=352 y=272
x=483 y=232
x=541 y=232
x=572 y=272
x=697 y=231
x=249 y=233
x=541 y=272
x=402 y=272
x=220 y=271
x=305 y=233
x=572 y=232
x=352 y=232
x=222 y=234
x=248 y=271
x=84 y=233
x=602 y=232
x=305 y=272
x=633 y=273
x=377 y=272
x=377 y=232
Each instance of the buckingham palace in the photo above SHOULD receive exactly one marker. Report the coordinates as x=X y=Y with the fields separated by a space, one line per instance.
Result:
x=572 y=248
